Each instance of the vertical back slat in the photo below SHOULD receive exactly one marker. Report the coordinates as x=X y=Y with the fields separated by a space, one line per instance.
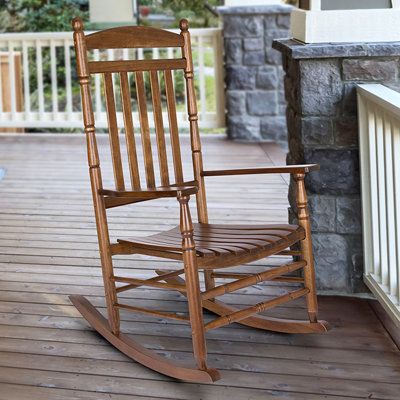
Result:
x=159 y=126
x=113 y=132
x=145 y=129
x=129 y=131
x=173 y=126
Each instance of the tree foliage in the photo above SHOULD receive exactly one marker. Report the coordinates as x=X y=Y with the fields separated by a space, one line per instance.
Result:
x=40 y=15
x=197 y=11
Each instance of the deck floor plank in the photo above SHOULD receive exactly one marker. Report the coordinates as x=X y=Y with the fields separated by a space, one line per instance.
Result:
x=48 y=250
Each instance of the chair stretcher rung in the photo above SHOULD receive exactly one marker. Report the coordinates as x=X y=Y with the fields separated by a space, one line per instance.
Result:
x=152 y=312
x=157 y=278
x=252 y=280
x=226 y=275
x=288 y=279
x=290 y=253
x=147 y=282
x=257 y=308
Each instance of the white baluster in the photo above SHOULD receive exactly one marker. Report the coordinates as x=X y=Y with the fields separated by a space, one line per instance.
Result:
x=390 y=215
x=219 y=88
x=97 y=85
x=54 y=90
x=202 y=81
x=11 y=62
x=25 y=66
x=39 y=66
x=380 y=165
x=374 y=190
x=396 y=190
x=1 y=86
x=68 y=81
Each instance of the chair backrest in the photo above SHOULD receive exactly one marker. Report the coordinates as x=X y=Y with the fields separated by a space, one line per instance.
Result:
x=136 y=37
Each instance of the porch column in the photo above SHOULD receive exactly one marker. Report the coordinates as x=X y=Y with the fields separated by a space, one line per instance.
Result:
x=255 y=100
x=322 y=127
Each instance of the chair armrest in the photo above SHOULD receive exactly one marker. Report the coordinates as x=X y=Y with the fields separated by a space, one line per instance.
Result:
x=149 y=194
x=285 y=169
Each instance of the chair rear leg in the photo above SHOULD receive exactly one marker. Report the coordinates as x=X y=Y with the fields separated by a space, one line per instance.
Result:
x=106 y=260
x=110 y=294
x=209 y=279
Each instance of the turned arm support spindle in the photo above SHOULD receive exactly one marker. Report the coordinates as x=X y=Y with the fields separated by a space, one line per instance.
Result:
x=303 y=213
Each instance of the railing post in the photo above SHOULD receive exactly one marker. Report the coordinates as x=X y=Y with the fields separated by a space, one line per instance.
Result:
x=379 y=137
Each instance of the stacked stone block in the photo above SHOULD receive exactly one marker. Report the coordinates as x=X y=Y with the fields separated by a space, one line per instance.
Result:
x=253 y=72
x=320 y=85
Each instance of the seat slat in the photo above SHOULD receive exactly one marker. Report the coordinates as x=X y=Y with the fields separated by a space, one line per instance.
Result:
x=96 y=67
x=173 y=126
x=113 y=132
x=208 y=245
x=241 y=242
x=159 y=126
x=205 y=246
x=229 y=238
x=145 y=130
x=129 y=131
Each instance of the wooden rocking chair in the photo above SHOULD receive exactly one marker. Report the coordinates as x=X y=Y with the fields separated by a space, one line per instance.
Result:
x=201 y=247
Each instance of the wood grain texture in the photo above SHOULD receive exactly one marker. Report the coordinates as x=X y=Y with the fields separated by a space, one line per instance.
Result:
x=145 y=129
x=129 y=131
x=113 y=132
x=159 y=127
x=132 y=37
x=173 y=126
x=204 y=245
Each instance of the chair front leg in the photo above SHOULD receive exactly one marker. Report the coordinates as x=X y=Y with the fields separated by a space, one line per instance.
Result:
x=105 y=255
x=192 y=284
x=303 y=216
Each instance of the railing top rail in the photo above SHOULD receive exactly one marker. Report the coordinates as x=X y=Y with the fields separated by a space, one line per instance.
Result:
x=21 y=36
x=387 y=98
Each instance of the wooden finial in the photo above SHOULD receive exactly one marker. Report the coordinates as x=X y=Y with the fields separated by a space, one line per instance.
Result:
x=77 y=24
x=184 y=25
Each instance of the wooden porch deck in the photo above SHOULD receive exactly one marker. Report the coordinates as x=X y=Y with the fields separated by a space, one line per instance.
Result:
x=48 y=250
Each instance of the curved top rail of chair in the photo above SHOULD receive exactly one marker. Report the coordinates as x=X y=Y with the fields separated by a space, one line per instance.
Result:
x=133 y=37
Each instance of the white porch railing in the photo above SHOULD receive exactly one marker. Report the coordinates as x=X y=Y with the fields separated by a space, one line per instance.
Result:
x=50 y=92
x=379 y=136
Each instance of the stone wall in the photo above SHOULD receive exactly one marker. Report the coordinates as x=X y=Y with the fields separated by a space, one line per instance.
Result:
x=255 y=100
x=320 y=86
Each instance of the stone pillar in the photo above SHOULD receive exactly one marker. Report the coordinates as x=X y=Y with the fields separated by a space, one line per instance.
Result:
x=255 y=100
x=320 y=87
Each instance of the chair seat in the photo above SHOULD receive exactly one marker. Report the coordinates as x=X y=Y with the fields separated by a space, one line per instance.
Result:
x=214 y=240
